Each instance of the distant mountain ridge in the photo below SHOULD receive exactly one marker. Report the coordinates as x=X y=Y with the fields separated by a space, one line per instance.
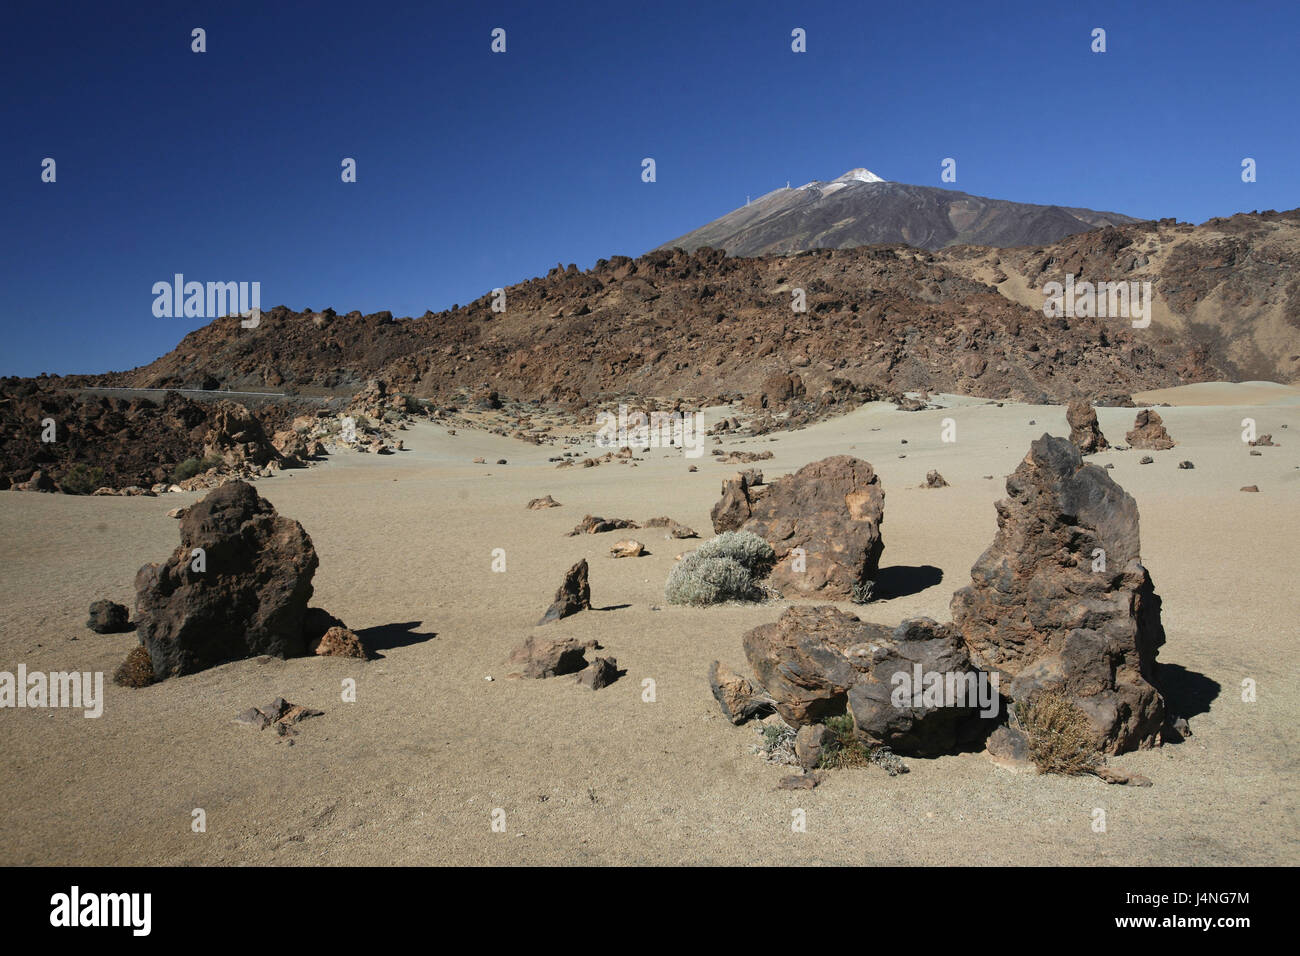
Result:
x=860 y=208
x=966 y=319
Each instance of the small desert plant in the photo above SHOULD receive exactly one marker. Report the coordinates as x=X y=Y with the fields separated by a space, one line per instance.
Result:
x=82 y=479
x=744 y=547
x=1058 y=733
x=778 y=743
x=841 y=746
x=703 y=580
x=136 y=670
x=864 y=592
x=721 y=569
x=888 y=761
x=195 y=466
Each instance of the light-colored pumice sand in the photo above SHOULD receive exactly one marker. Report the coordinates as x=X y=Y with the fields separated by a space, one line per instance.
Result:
x=411 y=772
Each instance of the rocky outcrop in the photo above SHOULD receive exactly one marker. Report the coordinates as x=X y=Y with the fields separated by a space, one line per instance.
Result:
x=1149 y=432
x=777 y=389
x=237 y=586
x=551 y=658
x=573 y=595
x=592 y=524
x=39 y=481
x=819 y=662
x=1061 y=600
x=1084 y=430
x=674 y=527
x=237 y=438
x=823 y=522
x=279 y=714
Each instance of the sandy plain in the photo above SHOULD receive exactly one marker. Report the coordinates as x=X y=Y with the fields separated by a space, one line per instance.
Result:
x=412 y=771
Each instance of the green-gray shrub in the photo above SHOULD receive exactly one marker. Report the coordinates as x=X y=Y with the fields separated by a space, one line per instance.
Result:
x=744 y=547
x=82 y=479
x=703 y=580
x=194 y=466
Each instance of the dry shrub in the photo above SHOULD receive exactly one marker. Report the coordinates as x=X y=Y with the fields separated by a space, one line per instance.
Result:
x=136 y=670
x=1059 y=735
x=841 y=746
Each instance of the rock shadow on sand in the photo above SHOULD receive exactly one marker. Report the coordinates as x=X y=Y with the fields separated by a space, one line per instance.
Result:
x=902 y=580
x=385 y=637
x=1186 y=693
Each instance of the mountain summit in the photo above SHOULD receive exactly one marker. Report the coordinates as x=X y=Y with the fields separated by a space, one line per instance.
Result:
x=859 y=175
x=861 y=208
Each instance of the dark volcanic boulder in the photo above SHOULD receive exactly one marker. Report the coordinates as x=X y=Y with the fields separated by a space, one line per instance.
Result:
x=250 y=597
x=818 y=662
x=823 y=522
x=916 y=689
x=802 y=661
x=1061 y=600
x=108 y=618
x=1149 y=432
x=572 y=596
x=1084 y=430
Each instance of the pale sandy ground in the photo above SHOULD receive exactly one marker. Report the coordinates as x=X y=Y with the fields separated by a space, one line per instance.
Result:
x=411 y=772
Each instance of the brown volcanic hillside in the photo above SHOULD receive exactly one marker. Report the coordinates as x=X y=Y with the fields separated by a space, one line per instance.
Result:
x=693 y=325
x=1229 y=286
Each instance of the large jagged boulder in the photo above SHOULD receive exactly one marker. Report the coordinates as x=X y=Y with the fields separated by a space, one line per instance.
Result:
x=237 y=437
x=249 y=598
x=1061 y=600
x=819 y=662
x=1149 y=432
x=917 y=689
x=823 y=522
x=1084 y=430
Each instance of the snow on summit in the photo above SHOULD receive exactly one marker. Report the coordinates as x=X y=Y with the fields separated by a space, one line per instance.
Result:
x=860 y=175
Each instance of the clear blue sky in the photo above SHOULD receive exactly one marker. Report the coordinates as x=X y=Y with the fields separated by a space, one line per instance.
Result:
x=477 y=169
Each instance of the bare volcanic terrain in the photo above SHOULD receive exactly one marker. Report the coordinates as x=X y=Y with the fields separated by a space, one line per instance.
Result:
x=705 y=328
x=860 y=209
x=696 y=325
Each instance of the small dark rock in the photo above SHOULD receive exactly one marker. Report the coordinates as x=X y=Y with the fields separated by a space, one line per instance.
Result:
x=108 y=618
x=601 y=672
